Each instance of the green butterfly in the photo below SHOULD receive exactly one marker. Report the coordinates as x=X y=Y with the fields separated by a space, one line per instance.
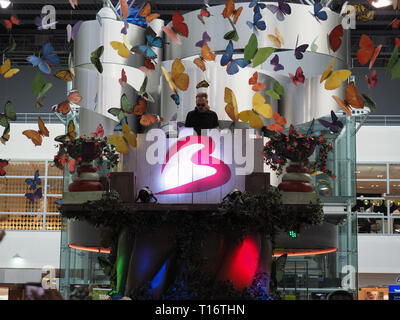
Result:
x=39 y=85
x=6 y=135
x=8 y=114
x=255 y=54
x=276 y=92
x=369 y=102
x=142 y=91
x=277 y=270
x=95 y=58
x=126 y=107
x=394 y=64
x=314 y=46
x=231 y=35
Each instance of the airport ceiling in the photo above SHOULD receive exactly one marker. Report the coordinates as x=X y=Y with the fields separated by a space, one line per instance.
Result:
x=29 y=39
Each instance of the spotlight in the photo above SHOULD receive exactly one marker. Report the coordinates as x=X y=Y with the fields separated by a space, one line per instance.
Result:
x=233 y=196
x=4 y=3
x=145 y=195
x=381 y=3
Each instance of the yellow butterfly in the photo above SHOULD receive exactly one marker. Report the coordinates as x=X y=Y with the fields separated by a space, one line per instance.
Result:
x=231 y=108
x=6 y=70
x=276 y=39
x=334 y=78
x=178 y=79
x=260 y=108
x=122 y=143
x=67 y=75
x=123 y=48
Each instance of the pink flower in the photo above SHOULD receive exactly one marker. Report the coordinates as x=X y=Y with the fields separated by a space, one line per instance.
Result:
x=79 y=159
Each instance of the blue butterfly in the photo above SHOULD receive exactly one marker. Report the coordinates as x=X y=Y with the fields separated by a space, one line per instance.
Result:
x=34 y=195
x=232 y=65
x=118 y=127
x=176 y=98
x=152 y=41
x=35 y=181
x=311 y=129
x=318 y=14
x=48 y=59
x=257 y=6
x=257 y=24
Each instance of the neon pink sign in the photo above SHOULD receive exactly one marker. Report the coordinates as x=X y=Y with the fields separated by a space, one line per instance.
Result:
x=201 y=157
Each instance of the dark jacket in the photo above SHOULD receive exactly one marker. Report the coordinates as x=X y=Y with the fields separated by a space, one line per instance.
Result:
x=201 y=120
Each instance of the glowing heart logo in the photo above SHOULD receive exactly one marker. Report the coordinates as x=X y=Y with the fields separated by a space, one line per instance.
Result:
x=201 y=157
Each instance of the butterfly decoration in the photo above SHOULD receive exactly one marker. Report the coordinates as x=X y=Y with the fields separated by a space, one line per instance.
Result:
x=141 y=107
x=123 y=78
x=32 y=196
x=40 y=25
x=123 y=4
x=9 y=23
x=364 y=14
x=11 y=45
x=95 y=58
x=48 y=59
x=314 y=46
x=204 y=13
x=148 y=66
x=299 y=50
x=73 y=3
x=367 y=52
x=277 y=91
x=369 y=102
x=7 y=71
x=125 y=108
x=147 y=14
x=36 y=181
x=65 y=106
x=257 y=6
x=143 y=93
x=152 y=41
x=231 y=12
x=257 y=24
x=6 y=135
x=177 y=80
x=281 y=10
x=178 y=27
x=7 y=115
x=232 y=65
x=68 y=74
x=123 y=142
x=334 y=78
x=275 y=62
x=298 y=76
x=148 y=119
x=393 y=65
x=124 y=29
x=335 y=126
x=372 y=79
x=352 y=100
x=99 y=132
x=3 y=164
x=205 y=55
x=396 y=23
x=118 y=127
x=276 y=39
x=122 y=48
x=253 y=81
x=72 y=31
x=39 y=87
x=231 y=107
x=397 y=42
x=205 y=39
x=36 y=135
x=254 y=54
x=318 y=14
x=279 y=122
x=70 y=135
x=260 y=108
x=334 y=38
x=202 y=84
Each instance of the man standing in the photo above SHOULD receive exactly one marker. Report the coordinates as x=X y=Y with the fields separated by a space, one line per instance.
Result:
x=201 y=117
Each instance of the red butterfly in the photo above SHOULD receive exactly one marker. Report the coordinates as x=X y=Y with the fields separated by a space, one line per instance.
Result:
x=280 y=121
x=397 y=40
x=396 y=24
x=9 y=23
x=203 y=13
x=99 y=132
x=372 y=79
x=123 y=78
x=3 y=163
x=148 y=66
x=257 y=86
x=334 y=36
x=178 y=27
x=299 y=77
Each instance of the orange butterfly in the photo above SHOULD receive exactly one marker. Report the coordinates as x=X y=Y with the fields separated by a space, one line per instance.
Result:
x=9 y=23
x=280 y=121
x=36 y=136
x=257 y=86
x=123 y=78
x=124 y=8
x=334 y=38
x=206 y=54
x=230 y=11
x=65 y=106
x=367 y=52
x=146 y=13
x=352 y=100
x=141 y=107
x=148 y=119
x=178 y=27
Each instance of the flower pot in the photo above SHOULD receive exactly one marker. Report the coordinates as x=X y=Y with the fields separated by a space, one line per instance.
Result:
x=85 y=179
x=296 y=179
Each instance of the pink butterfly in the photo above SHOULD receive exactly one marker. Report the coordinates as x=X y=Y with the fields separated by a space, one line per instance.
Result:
x=123 y=78
x=372 y=79
x=73 y=3
x=298 y=77
x=99 y=132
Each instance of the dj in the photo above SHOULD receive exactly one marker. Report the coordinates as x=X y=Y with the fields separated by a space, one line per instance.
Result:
x=202 y=117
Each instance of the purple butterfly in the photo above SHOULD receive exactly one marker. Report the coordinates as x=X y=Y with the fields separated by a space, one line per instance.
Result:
x=72 y=32
x=335 y=125
x=299 y=50
x=281 y=9
x=275 y=62
x=34 y=195
x=124 y=30
x=206 y=38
